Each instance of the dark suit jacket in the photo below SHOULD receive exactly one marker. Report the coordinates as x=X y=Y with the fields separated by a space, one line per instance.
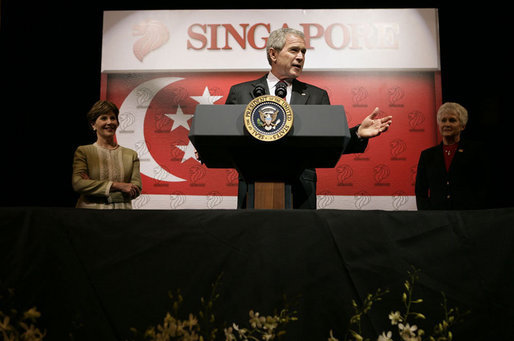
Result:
x=303 y=190
x=465 y=184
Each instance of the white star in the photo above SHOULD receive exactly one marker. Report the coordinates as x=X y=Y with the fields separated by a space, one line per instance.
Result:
x=206 y=98
x=189 y=152
x=179 y=119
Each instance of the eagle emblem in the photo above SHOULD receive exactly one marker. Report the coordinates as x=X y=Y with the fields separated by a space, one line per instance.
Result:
x=268 y=118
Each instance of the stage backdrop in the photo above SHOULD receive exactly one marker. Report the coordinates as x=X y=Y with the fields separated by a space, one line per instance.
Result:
x=158 y=65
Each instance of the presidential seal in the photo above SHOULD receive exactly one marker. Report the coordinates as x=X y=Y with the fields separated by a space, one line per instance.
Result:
x=268 y=118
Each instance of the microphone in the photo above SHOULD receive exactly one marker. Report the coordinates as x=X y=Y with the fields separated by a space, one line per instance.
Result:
x=281 y=89
x=259 y=91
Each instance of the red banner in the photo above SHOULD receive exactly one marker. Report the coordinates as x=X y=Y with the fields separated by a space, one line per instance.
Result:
x=158 y=123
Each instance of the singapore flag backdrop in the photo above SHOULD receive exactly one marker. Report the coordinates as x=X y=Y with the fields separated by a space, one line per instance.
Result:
x=158 y=65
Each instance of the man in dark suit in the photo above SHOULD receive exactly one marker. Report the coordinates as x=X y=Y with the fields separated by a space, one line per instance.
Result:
x=286 y=54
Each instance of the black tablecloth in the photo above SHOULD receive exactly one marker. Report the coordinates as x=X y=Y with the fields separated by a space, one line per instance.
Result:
x=96 y=274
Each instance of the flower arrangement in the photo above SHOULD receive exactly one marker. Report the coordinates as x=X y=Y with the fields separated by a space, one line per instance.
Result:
x=407 y=330
x=203 y=326
x=16 y=326
x=197 y=327
x=262 y=328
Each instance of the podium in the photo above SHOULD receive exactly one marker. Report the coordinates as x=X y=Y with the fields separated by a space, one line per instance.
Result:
x=317 y=140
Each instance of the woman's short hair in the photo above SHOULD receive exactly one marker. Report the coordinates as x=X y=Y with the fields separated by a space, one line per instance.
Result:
x=451 y=107
x=101 y=108
x=277 y=39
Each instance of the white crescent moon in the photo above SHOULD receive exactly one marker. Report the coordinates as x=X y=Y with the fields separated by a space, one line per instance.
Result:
x=136 y=105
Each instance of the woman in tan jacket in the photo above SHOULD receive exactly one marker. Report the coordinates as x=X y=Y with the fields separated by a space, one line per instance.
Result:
x=105 y=174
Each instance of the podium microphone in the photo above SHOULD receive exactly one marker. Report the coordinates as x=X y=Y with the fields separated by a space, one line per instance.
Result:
x=281 y=89
x=259 y=91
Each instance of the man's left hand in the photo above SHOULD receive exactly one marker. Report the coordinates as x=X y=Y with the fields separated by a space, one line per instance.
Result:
x=372 y=126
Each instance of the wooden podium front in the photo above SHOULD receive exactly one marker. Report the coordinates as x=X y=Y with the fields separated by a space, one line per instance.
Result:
x=269 y=195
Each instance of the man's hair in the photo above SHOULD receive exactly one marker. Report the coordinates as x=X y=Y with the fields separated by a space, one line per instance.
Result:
x=101 y=108
x=451 y=107
x=277 y=39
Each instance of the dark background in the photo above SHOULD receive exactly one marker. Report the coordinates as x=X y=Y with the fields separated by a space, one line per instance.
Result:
x=50 y=59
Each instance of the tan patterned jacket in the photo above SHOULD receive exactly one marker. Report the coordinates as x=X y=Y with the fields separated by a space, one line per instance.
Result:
x=103 y=167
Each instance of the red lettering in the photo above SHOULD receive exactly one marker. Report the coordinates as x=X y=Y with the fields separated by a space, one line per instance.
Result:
x=388 y=35
x=197 y=36
x=359 y=32
x=309 y=36
x=329 y=36
x=337 y=36
x=241 y=40
x=251 y=36
x=214 y=37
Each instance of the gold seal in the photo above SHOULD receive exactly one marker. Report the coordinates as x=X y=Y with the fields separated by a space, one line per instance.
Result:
x=268 y=118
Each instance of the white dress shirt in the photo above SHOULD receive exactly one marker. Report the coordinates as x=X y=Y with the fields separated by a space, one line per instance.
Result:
x=272 y=82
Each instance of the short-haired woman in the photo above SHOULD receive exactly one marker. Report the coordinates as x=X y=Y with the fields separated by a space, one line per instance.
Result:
x=105 y=174
x=452 y=175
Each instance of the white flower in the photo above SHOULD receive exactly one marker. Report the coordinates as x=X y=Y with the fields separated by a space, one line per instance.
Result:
x=229 y=335
x=268 y=336
x=256 y=321
x=408 y=333
x=407 y=328
x=385 y=337
x=395 y=317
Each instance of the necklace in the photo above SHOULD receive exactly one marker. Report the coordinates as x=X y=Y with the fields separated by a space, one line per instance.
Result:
x=450 y=149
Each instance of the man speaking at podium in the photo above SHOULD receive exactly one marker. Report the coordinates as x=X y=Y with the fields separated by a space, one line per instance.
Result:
x=285 y=50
